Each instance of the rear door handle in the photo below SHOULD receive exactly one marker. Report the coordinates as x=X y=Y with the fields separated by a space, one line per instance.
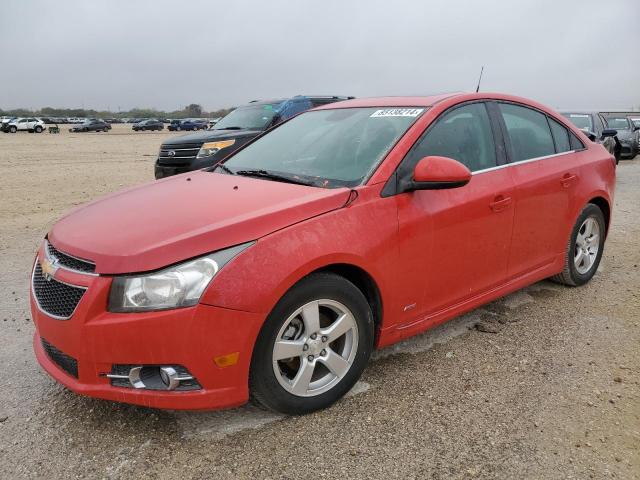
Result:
x=568 y=179
x=500 y=203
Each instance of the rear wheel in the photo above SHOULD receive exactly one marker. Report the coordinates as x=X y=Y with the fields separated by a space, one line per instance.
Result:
x=585 y=247
x=313 y=346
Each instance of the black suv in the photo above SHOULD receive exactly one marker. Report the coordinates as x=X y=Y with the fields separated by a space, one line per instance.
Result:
x=204 y=149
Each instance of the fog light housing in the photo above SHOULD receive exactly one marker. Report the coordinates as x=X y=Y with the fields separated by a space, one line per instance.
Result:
x=153 y=377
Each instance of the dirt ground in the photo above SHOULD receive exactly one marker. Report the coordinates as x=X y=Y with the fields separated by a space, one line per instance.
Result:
x=554 y=393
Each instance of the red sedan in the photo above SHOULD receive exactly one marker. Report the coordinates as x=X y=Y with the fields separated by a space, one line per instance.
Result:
x=347 y=228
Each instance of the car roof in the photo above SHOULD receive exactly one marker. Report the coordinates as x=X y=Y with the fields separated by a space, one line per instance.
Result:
x=414 y=101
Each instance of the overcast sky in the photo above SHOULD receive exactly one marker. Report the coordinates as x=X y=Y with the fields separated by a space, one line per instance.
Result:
x=167 y=54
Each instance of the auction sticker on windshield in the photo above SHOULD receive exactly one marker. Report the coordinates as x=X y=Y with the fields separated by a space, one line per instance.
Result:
x=397 y=112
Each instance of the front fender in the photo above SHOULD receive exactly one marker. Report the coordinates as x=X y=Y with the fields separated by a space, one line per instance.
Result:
x=257 y=279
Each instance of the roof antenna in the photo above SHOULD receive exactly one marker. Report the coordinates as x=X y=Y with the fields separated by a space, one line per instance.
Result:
x=480 y=79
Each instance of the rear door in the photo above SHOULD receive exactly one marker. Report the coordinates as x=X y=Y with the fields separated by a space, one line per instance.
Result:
x=546 y=173
x=455 y=243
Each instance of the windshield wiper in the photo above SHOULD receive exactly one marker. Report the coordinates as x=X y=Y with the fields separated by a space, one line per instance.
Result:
x=230 y=128
x=222 y=166
x=272 y=176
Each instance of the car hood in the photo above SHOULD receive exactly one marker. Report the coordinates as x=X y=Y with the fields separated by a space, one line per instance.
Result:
x=625 y=135
x=167 y=221
x=211 y=136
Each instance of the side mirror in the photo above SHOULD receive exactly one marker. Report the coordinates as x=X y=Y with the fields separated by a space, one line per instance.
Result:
x=609 y=132
x=436 y=173
x=590 y=135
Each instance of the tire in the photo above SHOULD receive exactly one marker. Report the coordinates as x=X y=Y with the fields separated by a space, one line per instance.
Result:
x=579 y=269
x=331 y=297
x=13 y=129
x=38 y=129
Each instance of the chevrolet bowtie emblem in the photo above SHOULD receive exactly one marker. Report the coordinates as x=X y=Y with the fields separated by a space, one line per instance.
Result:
x=49 y=269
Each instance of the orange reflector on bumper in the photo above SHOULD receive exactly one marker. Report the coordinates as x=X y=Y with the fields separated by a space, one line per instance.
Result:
x=227 y=360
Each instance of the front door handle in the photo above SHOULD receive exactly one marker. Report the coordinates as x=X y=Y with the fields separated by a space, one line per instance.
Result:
x=500 y=203
x=568 y=179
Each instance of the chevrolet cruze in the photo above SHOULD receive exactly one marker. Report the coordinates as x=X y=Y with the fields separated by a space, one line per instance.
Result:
x=347 y=228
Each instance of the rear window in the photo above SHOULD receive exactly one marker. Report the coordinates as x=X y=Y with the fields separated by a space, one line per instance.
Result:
x=580 y=120
x=528 y=131
x=618 y=123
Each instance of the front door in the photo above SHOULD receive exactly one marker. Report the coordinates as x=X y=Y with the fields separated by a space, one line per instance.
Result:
x=455 y=243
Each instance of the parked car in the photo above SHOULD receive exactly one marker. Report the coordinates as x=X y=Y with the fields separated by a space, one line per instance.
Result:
x=92 y=125
x=594 y=125
x=4 y=121
x=348 y=228
x=627 y=134
x=151 y=124
x=25 y=124
x=192 y=152
x=187 y=125
x=635 y=121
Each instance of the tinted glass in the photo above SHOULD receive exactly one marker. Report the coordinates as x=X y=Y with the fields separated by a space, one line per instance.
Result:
x=253 y=117
x=528 y=132
x=560 y=135
x=576 y=143
x=327 y=148
x=463 y=134
x=618 y=123
x=636 y=121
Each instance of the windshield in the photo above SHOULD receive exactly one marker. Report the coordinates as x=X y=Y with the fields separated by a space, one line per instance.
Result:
x=619 y=123
x=327 y=148
x=254 y=117
x=580 y=120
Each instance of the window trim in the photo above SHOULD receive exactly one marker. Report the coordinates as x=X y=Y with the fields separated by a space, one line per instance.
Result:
x=405 y=167
x=529 y=160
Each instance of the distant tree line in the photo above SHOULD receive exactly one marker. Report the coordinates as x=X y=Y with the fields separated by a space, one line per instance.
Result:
x=191 y=111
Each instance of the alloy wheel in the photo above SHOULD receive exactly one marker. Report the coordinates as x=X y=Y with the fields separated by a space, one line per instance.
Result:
x=587 y=245
x=315 y=348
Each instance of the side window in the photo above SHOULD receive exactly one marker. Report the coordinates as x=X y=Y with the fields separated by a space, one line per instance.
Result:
x=560 y=136
x=463 y=134
x=576 y=143
x=528 y=132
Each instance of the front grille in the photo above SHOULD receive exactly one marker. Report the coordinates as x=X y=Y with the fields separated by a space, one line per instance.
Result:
x=67 y=261
x=55 y=298
x=64 y=361
x=182 y=155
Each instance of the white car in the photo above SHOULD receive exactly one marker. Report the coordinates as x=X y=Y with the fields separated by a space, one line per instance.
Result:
x=28 y=124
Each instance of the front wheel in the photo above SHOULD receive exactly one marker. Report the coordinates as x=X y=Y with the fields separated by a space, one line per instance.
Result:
x=13 y=129
x=585 y=247
x=313 y=346
x=38 y=129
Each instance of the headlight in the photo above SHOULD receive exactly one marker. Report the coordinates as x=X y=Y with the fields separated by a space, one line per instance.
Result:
x=174 y=287
x=209 y=149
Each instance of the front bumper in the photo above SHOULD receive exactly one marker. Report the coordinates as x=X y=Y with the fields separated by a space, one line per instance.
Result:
x=162 y=171
x=192 y=337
